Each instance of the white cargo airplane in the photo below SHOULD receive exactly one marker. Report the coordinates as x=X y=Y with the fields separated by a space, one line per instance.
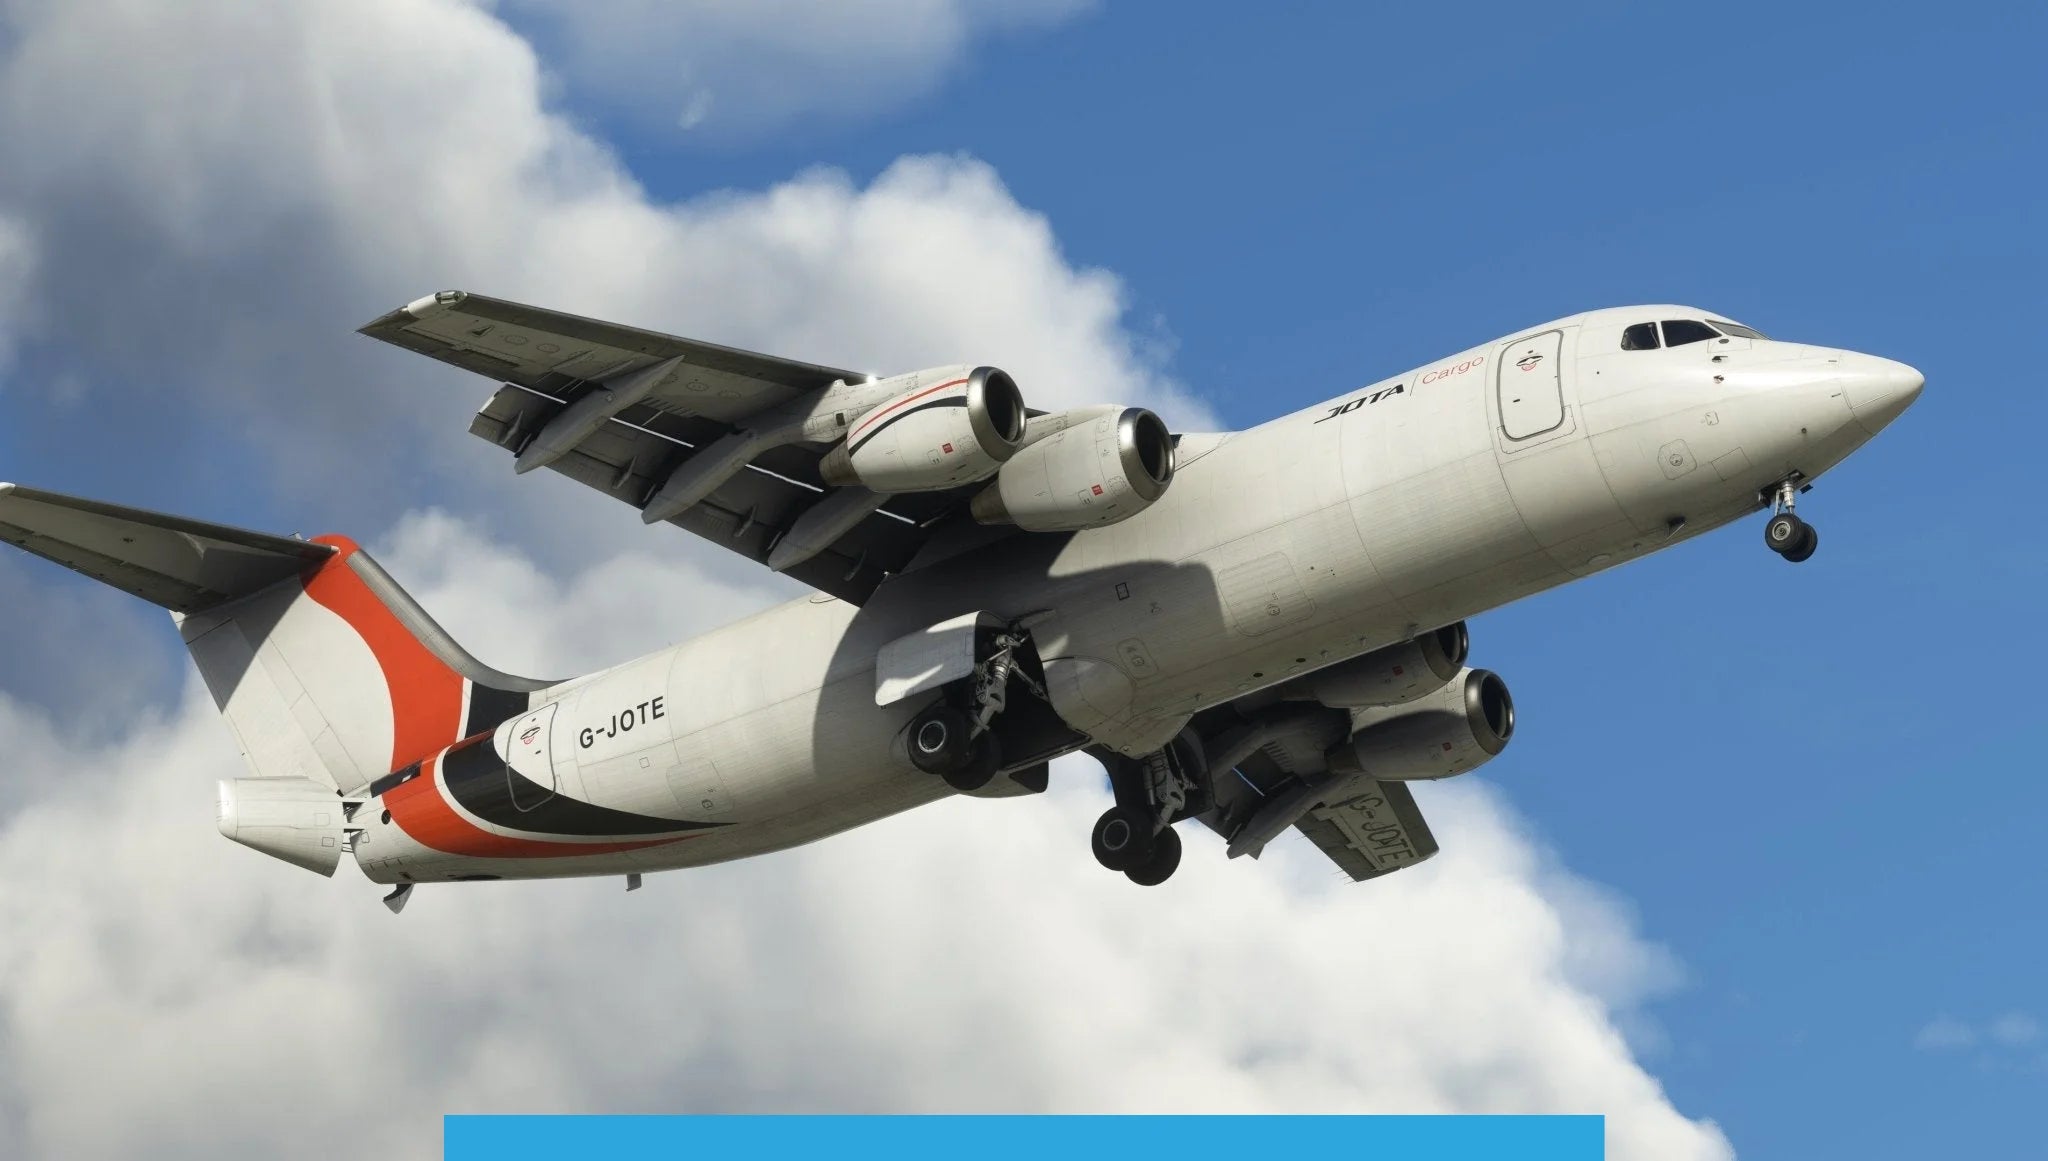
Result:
x=1258 y=630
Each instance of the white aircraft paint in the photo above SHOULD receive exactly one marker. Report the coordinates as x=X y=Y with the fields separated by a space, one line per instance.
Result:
x=1349 y=527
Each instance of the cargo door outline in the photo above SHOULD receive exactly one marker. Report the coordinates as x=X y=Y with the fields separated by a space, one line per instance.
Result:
x=530 y=761
x=1529 y=387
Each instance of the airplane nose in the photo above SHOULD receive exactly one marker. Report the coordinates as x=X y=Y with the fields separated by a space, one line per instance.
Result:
x=1880 y=390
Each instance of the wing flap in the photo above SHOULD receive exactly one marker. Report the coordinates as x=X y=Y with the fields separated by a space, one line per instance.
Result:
x=746 y=514
x=1373 y=833
x=186 y=566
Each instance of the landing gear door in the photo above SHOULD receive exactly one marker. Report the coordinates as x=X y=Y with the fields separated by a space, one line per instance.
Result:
x=929 y=658
x=1531 y=390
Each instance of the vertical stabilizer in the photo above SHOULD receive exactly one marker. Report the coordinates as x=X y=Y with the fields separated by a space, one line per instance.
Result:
x=323 y=667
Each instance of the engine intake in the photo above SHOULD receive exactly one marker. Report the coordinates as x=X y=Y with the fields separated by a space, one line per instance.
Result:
x=930 y=438
x=1090 y=468
x=1454 y=730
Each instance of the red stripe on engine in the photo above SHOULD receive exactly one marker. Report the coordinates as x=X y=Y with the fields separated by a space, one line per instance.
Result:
x=426 y=695
x=908 y=399
x=421 y=809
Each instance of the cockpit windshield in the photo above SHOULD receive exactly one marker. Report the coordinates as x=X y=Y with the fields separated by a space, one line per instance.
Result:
x=1679 y=332
x=1640 y=337
x=1738 y=330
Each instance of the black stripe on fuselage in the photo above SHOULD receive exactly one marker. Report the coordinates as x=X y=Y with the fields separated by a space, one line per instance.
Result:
x=491 y=790
x=950 y=401
x=490 y=707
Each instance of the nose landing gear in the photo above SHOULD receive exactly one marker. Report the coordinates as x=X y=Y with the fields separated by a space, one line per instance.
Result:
x=1786 y=534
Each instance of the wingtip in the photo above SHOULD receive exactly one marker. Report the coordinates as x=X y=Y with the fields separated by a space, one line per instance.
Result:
x=6 y=487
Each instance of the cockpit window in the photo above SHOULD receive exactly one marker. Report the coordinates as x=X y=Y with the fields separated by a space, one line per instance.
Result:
x=1640 y=337
x=1683 y=331
x=1738 y=330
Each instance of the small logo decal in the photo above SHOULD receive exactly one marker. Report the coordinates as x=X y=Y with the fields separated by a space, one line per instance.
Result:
x=1528 y=362
x=531 y=733
x=949 y=449
x=1097 y=489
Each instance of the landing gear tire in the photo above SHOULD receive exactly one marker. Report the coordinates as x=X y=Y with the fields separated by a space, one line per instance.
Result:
x=1122 y=839
x=983 y=760
x=938 y=740
x=1159 y=863
x=1786 y=534
x=1805 y=547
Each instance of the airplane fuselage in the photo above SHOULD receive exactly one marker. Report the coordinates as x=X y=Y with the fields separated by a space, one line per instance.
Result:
x=1355 y=524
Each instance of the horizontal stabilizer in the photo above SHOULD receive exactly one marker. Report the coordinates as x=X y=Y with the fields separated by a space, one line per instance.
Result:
x=186 y=566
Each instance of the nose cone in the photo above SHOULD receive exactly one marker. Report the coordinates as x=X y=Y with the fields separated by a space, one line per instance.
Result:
x=1880 y=390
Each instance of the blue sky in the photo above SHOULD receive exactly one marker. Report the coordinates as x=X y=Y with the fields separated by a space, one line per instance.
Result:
x=1818 y=786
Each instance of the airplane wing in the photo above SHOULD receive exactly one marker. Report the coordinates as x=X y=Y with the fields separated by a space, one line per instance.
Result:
x=622 y=410
x=1264 y=755
x=1376 y=833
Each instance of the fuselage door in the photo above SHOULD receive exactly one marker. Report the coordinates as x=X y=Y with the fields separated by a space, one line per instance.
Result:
x=1531 y=392
x=529 y=755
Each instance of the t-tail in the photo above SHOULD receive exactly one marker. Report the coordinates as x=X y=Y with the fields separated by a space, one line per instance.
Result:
x=328 y=674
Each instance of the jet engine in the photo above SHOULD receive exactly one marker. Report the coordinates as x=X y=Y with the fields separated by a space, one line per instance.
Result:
x=1396 y=675
x=929 y=439
x=1454 y=730
x=1096 y=467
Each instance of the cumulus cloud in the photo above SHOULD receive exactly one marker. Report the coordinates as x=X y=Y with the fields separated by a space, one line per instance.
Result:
x=202 y=201
x=728 y=68
x=221 y=241
x=967 y=956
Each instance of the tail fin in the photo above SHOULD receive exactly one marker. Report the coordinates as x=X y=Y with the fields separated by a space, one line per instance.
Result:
x=322 y=665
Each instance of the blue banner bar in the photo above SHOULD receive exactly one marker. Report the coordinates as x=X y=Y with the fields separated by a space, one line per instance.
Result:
x=1027 y=1138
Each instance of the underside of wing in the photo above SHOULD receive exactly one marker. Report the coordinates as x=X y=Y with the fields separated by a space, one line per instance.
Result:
x=1375 y=833
x=557 y=354
x=838 y=479
x=749 y=513
x=1271 y=771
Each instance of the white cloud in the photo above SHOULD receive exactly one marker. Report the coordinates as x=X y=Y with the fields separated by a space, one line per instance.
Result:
x=738 y=68
x=220 y=242
x=2012 y=1030
x=2015 y=1029
x=1944 y=1033
x=207 y=198
x=967 y=956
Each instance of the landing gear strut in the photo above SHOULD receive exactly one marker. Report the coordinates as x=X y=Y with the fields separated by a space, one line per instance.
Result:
x=1786 y=534
x=1136 y=836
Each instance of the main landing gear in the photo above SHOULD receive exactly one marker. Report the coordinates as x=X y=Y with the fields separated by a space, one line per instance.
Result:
x=1786 y=534
x=943 y=742
x=1136 y=836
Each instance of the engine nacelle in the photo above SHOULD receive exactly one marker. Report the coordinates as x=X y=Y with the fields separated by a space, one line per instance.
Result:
x=294 y=819
x=928 y=439
x=1108 y=466
x=1396 y=675
x=1454 y=730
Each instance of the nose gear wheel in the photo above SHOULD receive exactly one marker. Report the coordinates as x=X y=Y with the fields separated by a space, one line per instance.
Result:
x=1785 y=533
